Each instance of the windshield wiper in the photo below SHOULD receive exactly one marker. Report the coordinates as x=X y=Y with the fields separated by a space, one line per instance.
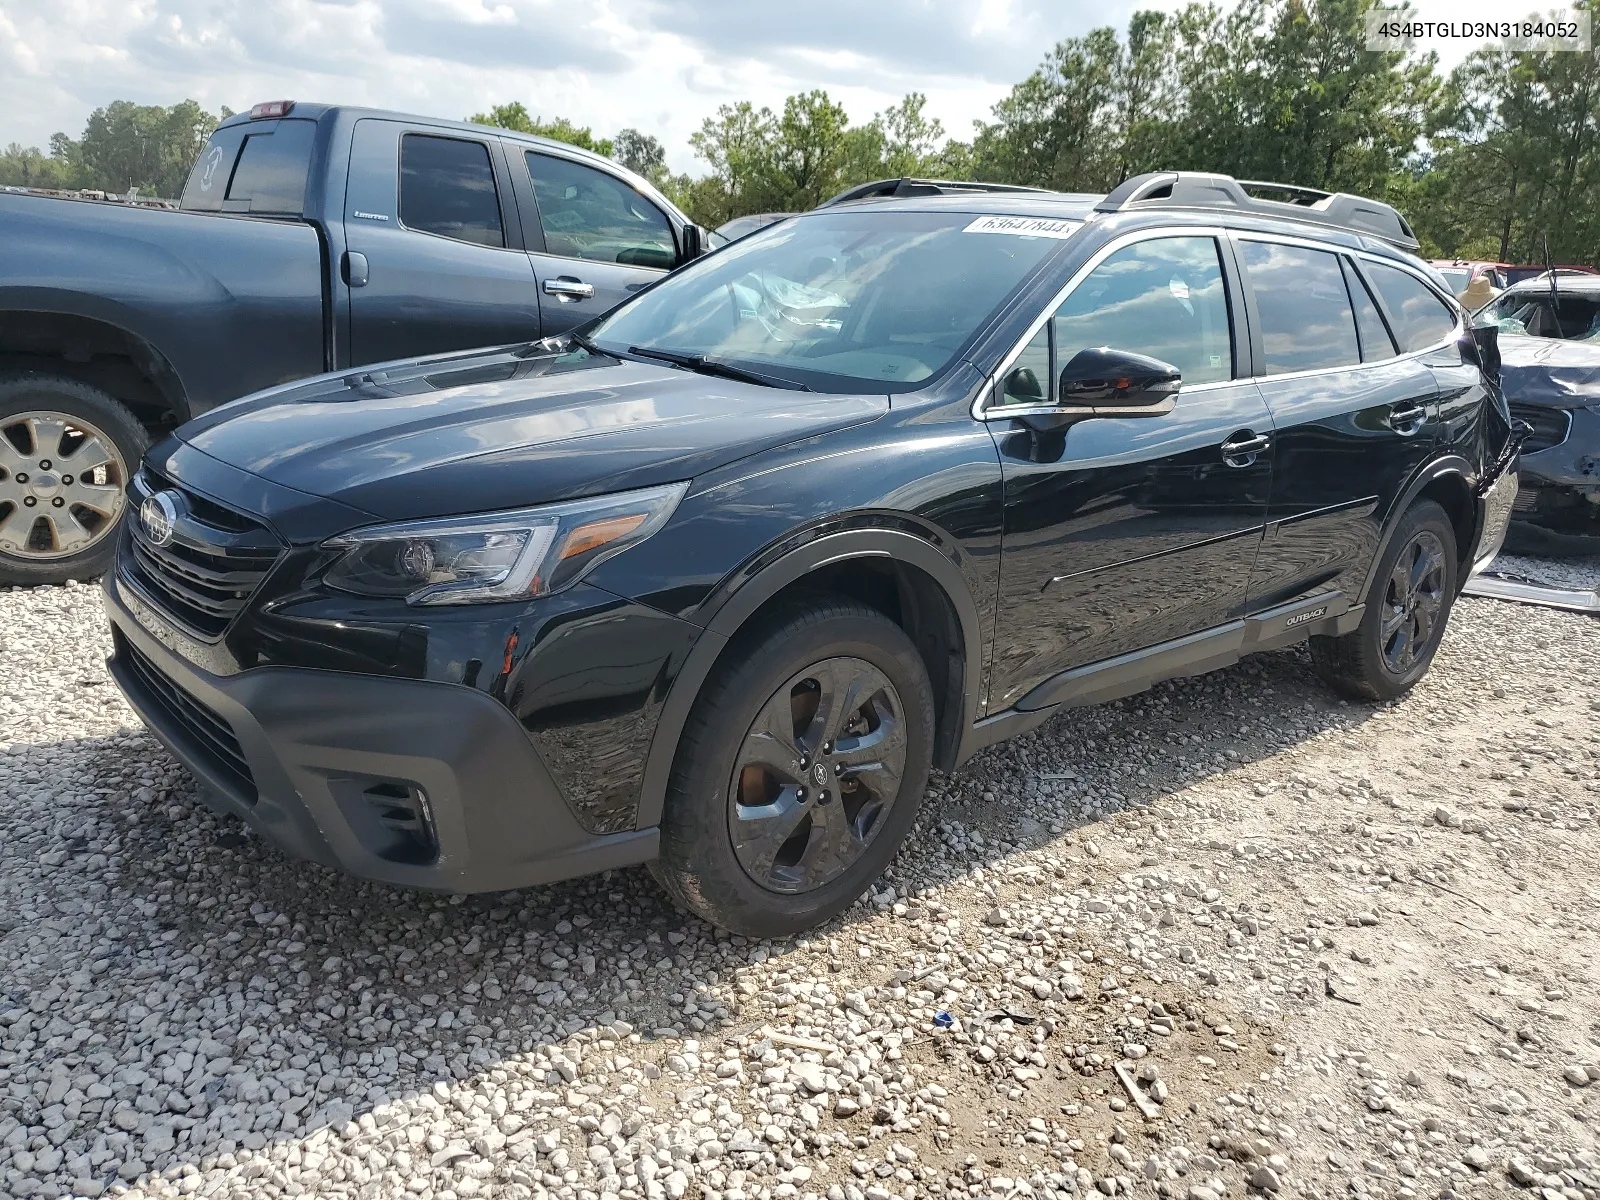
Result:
x=706 y=365
x=579 y=339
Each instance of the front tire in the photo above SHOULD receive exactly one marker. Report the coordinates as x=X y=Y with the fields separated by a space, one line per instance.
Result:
x=66 y=452
x=1406 y=614
x=800 y=770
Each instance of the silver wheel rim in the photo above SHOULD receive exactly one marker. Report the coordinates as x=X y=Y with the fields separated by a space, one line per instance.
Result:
x=62 y=484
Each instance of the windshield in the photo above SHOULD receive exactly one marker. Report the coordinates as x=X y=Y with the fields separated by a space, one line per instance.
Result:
x=1569 y=316
x=840 y=301
x=1456 y=278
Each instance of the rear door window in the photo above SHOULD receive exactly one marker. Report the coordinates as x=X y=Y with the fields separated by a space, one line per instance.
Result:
x=447 y=187
x=1306 y=320
x=1376 y=344
x=1419 y=318
x=586 y=213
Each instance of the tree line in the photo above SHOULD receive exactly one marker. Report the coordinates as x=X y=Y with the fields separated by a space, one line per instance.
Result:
x=1496 y=159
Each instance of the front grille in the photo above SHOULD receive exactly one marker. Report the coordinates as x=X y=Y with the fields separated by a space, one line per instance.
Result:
x=214 y=562
x=209 y=730
x=1550 y=426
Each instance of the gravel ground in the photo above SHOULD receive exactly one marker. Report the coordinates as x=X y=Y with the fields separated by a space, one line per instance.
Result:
x=1578 y=573
x=1230 y=937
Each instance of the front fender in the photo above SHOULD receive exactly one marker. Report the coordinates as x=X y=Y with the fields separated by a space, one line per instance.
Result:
x=746 y=590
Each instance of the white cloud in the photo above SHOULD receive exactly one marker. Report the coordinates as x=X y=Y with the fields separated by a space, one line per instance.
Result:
x=658 y=65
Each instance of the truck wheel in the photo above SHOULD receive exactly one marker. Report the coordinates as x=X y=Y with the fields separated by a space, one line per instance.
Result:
x=800 y=771
x=66 y=452
x=1406 y=613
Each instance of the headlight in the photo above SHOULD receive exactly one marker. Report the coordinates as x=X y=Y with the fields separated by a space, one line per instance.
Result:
x=497 y=556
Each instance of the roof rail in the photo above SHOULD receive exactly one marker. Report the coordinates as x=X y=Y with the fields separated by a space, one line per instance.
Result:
x=1197 y=189
x=895 y=189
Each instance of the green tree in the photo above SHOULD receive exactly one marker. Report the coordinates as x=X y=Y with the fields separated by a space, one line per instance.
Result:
x=642 y=154
x=516 y=116
x=127 y=145
x=28 y=166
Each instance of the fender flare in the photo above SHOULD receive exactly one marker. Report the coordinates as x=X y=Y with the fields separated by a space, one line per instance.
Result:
x=1448 y=464
x=750 y=593
x=148 y=358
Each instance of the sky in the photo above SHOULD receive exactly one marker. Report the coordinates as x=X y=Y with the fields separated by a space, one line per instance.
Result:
x=660 y=66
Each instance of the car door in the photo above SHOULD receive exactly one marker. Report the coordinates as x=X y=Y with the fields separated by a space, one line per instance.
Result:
x=434 y=259
x=1125 y=532
x=593 y=239
x=1355 y=417
x=1428 y=327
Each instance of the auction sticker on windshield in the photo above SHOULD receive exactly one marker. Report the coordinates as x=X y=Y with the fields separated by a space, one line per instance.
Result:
x=1049 y=227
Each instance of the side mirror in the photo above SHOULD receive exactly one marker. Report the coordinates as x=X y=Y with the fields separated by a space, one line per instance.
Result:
x=691 y=243
x=1119 y=383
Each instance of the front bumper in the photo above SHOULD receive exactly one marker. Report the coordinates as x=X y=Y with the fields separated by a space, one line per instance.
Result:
x=401 y=781
x=1559 y=508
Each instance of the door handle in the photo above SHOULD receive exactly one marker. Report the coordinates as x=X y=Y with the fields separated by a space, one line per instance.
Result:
x=1241 y=449
x=565 y=287
x=355 y=269
x=1412 y=415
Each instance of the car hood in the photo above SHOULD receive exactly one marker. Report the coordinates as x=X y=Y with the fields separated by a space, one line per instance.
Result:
x=1550 y=372
x=505 y=429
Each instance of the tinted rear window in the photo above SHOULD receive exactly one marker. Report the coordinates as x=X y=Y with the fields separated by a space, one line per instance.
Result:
x=208 y=180
x=1306 y=320
x=272 y=169
x=1418 y=317
x=256 y=167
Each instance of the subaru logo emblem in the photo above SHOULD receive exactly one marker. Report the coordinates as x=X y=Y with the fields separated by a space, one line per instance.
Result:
x=157 y=515
x=820 y=773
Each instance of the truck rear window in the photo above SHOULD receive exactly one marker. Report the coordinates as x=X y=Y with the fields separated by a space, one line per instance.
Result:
x=259 y=167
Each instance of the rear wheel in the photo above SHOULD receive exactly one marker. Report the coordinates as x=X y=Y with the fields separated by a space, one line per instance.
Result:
x=1406 y=614
x=66 y=452
x=800 y=771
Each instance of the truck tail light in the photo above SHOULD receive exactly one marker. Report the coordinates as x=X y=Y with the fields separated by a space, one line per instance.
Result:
x=271 y=108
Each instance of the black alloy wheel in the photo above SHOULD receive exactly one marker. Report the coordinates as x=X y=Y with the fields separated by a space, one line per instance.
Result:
x=801 y=768
x=817 y=774
x=1407 y=609
x=1414 y=602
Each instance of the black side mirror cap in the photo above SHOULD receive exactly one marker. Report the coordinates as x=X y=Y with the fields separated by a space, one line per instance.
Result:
x=1118 y=383
x=692 y=243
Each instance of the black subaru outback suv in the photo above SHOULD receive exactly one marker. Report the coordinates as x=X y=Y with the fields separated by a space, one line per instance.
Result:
x=713 y=582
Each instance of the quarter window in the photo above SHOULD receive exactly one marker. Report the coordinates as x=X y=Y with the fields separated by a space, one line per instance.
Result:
x=587 y=214
x=1028 y=380
x=1376 y=344
x=1164 y=298
x=447 y=187
x=1307 y=323
x=1419 y=317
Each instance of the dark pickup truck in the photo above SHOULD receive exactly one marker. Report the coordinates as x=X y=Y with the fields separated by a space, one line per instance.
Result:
x=310 y=238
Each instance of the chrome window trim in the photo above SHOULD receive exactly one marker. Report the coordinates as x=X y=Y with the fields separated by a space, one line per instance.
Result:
x=984 y=412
